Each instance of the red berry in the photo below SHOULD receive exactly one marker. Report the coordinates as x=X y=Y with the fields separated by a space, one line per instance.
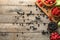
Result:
x=58 y=37
x=55 y=36
x=54 y=0
x=57 y=12
x=54 y=10
x=38 y=1
x=41 y=4
x=46 y=2
x=51 y=2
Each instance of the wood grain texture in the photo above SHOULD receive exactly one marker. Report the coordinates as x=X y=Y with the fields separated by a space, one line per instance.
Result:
x=11 y=23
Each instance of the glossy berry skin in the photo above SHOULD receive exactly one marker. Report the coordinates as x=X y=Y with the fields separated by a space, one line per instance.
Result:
x=46 y=2
x=55 y=11
x=52 y=26
x=54 y=36
x=41 y=4
x=50 y=1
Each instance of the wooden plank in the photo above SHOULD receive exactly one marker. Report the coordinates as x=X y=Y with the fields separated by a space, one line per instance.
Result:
x=24 y=36
x=18 y=28
x=7 y=36
x=17 y=31
x=16 y=2
x=33 y=36
x=12 y=10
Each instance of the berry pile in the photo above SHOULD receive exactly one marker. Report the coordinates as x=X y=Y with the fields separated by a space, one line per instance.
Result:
x=50 y=1
x=54 y=36
x=55 y=11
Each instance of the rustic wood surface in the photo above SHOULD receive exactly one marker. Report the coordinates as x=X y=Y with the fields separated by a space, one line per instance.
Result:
x=15 y=27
